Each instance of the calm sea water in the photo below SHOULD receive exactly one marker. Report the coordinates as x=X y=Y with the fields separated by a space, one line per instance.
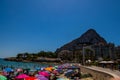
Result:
x=15 y=65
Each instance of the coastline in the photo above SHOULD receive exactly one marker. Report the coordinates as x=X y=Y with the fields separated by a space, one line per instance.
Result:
x=43 y=60
x=49 y=64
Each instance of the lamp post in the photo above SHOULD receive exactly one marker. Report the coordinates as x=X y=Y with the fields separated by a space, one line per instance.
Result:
x=83 y=55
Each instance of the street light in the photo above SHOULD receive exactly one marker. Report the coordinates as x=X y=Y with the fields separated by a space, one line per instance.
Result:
x=83 y=55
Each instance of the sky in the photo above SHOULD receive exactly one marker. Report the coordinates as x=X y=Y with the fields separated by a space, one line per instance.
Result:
x=36 y=25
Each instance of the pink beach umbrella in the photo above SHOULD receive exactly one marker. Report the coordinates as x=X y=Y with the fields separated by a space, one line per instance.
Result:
x=5 y=73
x=22 y=76
x=44 y=74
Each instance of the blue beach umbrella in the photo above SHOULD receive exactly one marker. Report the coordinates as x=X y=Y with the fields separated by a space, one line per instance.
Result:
x=38 y=68
x=8 y=69
x=59 y=70
x=73 y=67
x=69 y=73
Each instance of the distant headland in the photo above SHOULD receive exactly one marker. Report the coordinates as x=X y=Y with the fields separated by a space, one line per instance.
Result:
x=90 y=43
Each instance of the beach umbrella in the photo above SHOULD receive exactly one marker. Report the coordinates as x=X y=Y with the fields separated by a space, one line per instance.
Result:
x=8 y=69
x=42 y=68
x=41 y=77
x=55 y=67
x=59 y=71
x=62 y=66
x=31 y=78
x=38 y=68
x=70 y=70
x=47 y=72
x=73 y=67
x=2 y=77
x=19 y=70
x=4 y=73
x=69 y=73
x=49 y=69
x=22 y=76
x=44 y=74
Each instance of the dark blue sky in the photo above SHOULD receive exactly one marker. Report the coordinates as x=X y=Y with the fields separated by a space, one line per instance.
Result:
x=35 y=25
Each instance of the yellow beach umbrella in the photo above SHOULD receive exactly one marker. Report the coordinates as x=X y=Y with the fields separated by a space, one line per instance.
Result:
x=49 y=69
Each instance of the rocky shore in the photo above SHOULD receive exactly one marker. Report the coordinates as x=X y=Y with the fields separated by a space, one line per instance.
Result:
x=40 y=59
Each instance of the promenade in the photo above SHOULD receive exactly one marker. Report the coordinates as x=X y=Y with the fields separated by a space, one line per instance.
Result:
x=114 y=73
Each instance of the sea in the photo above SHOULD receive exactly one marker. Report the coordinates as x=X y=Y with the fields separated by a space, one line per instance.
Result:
x=24 y=65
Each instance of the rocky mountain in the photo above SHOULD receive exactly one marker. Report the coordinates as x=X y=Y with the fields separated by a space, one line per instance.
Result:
x=90 y=37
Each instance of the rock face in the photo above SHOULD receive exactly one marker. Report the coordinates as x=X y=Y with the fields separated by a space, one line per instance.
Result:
x=90 y=37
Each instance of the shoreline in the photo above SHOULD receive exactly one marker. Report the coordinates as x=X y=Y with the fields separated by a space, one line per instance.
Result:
x=45 y=60
x=54 y=65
